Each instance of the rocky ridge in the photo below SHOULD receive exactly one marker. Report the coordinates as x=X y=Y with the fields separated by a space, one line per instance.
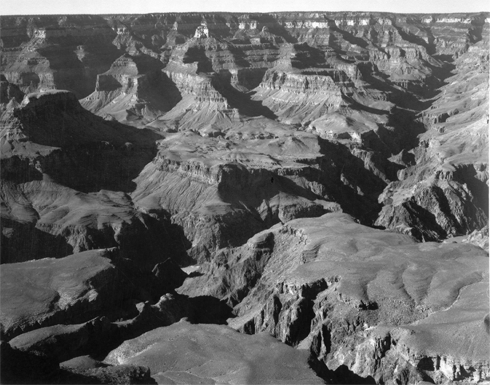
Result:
x=374 y=301
x=229 y=145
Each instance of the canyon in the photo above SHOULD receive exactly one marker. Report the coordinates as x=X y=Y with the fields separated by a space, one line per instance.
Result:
x=292 y=198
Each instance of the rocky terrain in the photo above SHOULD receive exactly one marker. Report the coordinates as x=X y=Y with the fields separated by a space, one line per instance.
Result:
x=291 y=198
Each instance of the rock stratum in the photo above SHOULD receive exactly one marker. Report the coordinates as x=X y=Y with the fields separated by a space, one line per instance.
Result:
x=315 y=179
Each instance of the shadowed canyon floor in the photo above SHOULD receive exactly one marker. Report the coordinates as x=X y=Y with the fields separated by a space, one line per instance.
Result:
x=223 y=198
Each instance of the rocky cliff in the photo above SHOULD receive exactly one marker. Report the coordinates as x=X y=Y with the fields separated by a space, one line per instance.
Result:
x=321 y=177
x=373 y=301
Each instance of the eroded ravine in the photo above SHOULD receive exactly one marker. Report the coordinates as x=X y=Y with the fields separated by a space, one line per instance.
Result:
x=290 y=163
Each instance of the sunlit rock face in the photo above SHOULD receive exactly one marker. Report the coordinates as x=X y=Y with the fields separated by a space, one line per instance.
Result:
x=321 y=177
x=377 y=302
x=223 y=355
x=449 y=159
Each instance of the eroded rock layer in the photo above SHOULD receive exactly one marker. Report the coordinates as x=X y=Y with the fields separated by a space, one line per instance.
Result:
x=223 y=356
x=284 y=173
x=374 y=301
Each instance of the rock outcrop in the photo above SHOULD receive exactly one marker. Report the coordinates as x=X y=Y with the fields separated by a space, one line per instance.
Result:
x=196 y=353
x=79 y=287
x=221 y=192
x=134 y=88
x=373 y=301
x=25 y=367
x=65 y=173
x=51 y=52
x=358 y=79
x=283 y=173
x=446 y=192
x=52 y=291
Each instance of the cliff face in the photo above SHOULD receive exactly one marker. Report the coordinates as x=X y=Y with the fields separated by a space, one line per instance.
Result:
x=448 y=160
x=359 y=297
x=254 y=151
x=65 y=175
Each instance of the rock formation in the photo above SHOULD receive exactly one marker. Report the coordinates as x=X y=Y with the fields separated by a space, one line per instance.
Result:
x=319 y=177
x=190 y=353
x=374 y=301
x=75 y=289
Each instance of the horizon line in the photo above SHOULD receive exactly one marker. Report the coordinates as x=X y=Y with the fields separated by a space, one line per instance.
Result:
x=244 y=12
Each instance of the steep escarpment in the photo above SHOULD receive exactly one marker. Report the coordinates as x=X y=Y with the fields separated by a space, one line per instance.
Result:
x=130 y=90
x=62 y=168
x=59 y=221
x=65 y=289
x=223 y=190
x=337 y=74
x=448 y=185
x=285 y=173
x=373 y=301
x=51 y=52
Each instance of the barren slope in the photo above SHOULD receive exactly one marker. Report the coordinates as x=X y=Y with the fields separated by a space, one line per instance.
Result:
x=373 y=301
x=253 y=151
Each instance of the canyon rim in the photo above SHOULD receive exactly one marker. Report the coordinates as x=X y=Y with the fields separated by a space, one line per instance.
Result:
x=245 y=198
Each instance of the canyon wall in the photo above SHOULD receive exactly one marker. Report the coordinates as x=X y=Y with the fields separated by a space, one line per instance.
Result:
x=321 y=177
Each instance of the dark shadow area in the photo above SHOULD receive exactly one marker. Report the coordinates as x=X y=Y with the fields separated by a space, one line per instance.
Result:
x=216 y=25
x=155 y=89
x=30 y=80
x=107 y=375
x=444 y=57
x=87 y=168
x=239 y=100
x=476 y=30
x=20 y=367
x=345 y=376
x=301 y=327
x=170 y=91
x=17 y=367
x=92 y=154
x=239 y=56
x=154 y=241
x=18 y=170
x=107 y=83
x=339 y=173
x=144 y=239
x=421 y=219
x=240 y=185
x=104 y=336
x=77 y=60
x=418 y=96
x=198 y=54
x=274 y=27
x=145 y=63
x=342 y=375
x=209 y=310
x=347 y=36
x=23 y=241
x=426 y=363
x=308 y=57
x=407 y=36
x=98 y=337
x=340 y=167
x=409 y=127
x=355 y=105
x=479 y=189
x=444 y=206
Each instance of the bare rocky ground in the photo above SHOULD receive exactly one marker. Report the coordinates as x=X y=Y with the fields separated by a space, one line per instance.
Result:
x=245 y=198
